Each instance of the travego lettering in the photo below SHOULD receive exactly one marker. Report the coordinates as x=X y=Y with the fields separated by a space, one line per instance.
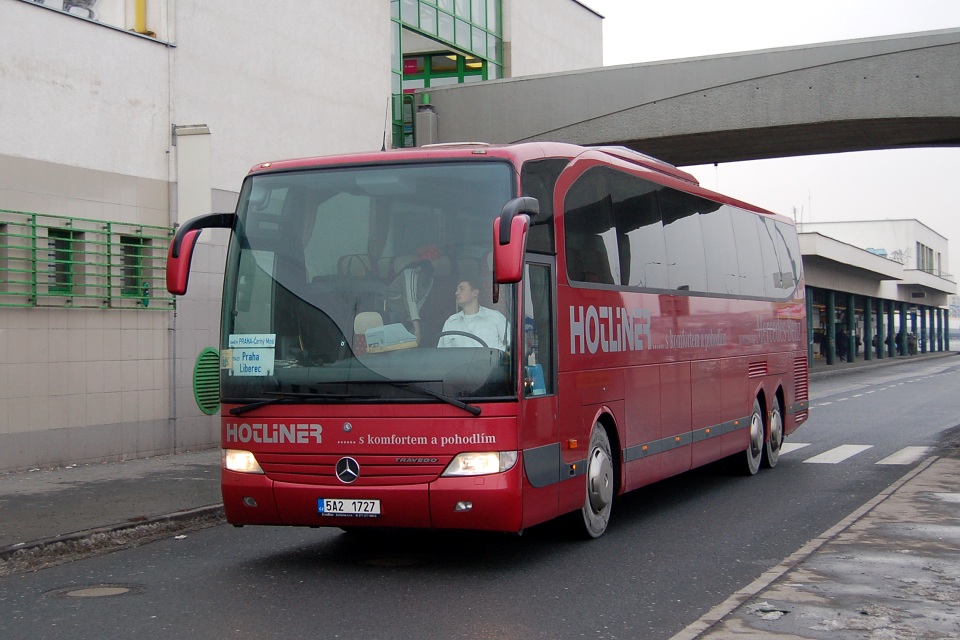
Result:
x=608 y=329
x=276 y=433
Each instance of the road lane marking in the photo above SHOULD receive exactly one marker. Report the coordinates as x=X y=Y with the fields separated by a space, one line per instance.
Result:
x=787 y=447
x=839 y=454
x=907 y=455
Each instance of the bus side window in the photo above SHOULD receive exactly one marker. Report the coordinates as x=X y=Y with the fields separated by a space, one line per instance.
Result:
x=719 y=246
x=538 y=179
x=590 y=231
x=538 y=339
x=640 y=231
x=686 y=266
x=749 y=258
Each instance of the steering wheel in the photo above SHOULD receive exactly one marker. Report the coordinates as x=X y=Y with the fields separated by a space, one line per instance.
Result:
x=465 y=334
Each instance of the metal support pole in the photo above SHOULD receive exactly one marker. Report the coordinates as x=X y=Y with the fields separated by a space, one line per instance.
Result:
x=891 y=335
x=831 y=328
x=923 y=330
x=809 y=293
x=946 y=329
x=868 y=328
x=902 y=334
x=851 y=328
x=880 y=332
x=939 y=329
x=933 y=329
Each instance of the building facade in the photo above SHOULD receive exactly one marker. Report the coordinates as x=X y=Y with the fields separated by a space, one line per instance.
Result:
x=124 y=119
x=877 y=288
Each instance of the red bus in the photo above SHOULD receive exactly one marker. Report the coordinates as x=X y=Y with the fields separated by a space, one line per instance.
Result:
x=489 y=337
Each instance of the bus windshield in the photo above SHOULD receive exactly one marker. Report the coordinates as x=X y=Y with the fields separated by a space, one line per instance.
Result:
x=368 y=284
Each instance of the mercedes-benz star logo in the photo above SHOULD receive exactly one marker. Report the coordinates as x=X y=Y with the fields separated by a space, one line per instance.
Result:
x=347 y=470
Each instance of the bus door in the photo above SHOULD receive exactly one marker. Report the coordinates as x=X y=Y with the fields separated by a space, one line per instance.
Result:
x=539 y=436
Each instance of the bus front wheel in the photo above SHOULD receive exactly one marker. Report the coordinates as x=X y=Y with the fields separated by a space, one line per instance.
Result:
x=600 y=484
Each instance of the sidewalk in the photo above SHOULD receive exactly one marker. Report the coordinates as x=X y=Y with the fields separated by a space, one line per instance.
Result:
x=42 y=507
x=889 y=570
x=821 y=369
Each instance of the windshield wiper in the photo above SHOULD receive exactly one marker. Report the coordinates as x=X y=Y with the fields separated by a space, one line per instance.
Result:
x=415 y=385
x=470 y=408
x=290 y=396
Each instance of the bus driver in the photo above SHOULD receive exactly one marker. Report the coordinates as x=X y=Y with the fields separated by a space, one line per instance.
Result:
x=487 y=324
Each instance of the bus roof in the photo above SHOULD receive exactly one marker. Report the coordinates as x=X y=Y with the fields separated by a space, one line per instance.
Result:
x=519 y=152
x=516 y=153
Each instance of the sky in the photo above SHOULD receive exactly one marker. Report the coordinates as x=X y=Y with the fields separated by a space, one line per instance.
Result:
x=895 y=184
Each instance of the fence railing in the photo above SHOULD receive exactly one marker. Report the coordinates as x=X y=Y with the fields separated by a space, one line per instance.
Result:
x=57 y=261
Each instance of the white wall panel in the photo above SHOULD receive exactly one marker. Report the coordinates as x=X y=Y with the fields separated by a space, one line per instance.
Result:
x=77 y=93
x=550 y=36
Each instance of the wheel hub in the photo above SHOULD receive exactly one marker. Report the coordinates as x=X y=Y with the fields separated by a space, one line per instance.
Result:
x=756 y=435
x=600 y=480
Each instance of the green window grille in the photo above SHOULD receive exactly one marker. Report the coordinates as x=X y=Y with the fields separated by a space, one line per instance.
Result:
x=131 y=257
x=56 y=261
x=206 y=381
x=65 y=251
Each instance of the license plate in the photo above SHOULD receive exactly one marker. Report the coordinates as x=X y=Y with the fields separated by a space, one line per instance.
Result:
x=348 y=507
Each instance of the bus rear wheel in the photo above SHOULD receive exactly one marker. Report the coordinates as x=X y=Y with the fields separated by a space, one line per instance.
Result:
x=771 y=450
x=595 y=513
x=749 y=460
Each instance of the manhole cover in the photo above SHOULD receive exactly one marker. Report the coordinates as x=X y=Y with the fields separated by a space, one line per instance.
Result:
x=95 y=591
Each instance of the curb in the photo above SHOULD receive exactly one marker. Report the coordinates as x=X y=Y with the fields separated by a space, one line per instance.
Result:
x=209 y=511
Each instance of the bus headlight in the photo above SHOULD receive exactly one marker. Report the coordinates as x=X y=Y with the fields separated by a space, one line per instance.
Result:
x=481 y=463
x=240 y=461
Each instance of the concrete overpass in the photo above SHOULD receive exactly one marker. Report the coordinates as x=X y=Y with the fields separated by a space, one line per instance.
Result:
x=856 y=95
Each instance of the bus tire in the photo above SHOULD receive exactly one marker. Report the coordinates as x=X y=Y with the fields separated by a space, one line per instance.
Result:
x=771 y=449
x=750 y=458
x=595 y=513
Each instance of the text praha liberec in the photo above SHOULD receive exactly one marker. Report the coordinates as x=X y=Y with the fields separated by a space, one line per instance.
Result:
x=608 y=329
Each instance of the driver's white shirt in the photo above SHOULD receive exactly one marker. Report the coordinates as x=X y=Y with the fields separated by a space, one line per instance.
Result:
x=487 y=324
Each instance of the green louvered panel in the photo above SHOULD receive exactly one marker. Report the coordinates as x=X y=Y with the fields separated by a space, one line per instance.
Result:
x=206 y=381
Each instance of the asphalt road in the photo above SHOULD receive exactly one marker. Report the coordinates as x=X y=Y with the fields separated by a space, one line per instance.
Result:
x=674 y=550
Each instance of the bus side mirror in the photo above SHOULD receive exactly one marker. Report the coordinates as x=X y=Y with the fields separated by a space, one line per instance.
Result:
x=510 y=238
x=180 y=254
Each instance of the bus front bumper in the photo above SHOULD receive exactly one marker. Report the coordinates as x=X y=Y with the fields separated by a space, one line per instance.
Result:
x=491 y=502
